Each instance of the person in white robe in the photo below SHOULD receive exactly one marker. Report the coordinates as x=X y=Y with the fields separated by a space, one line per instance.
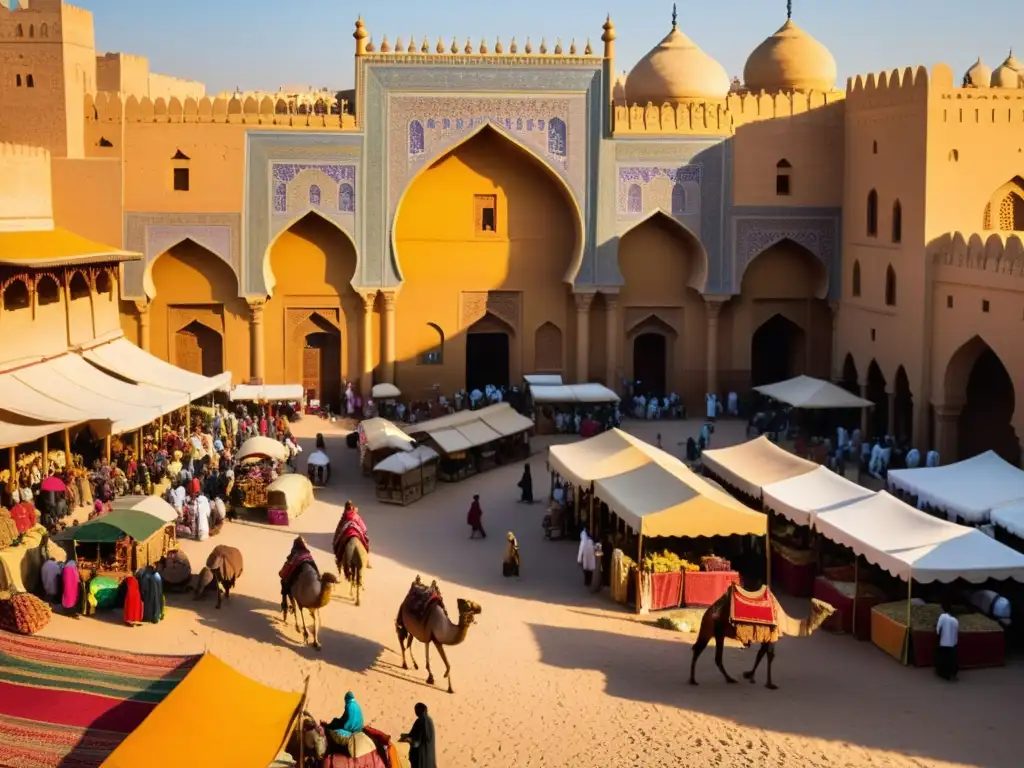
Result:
x=202 y=518
x=586 y=558
x=734 y=404
x=913 y=458
x=178 y=498
x=932 y=459
x=875 y=464
x=219 y=511
x=350 y=400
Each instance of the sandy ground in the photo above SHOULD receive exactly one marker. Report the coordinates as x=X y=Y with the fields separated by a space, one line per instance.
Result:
x=552 y=675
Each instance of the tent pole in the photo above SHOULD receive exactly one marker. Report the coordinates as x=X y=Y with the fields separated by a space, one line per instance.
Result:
x=46 y=453
x=639 y=574
x=856 y=589
x=299 y=725
x=592 y=531
x=12 y=459
x=768 y=551
x=160 y=431
x=576 y=502
x=106 y=447
x=906 y=639
x=67 y=445
x=188 y=419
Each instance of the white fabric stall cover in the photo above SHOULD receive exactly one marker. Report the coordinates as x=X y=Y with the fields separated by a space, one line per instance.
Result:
x=13 y=433
x=543 y=379
x=82 y=373
x=808 y=392
x=1010 y=518
x=385 y=392
x=573 y=393
x=971 y=488
x=803 y=497
x=400 y=463
x=21 y=399
x=911 y=544
x=125 y=359
x=267 y=392
x=150 y=505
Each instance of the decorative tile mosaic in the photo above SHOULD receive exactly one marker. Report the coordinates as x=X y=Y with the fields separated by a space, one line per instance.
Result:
x=755 y=234
x=284 y=175
x=642 y=189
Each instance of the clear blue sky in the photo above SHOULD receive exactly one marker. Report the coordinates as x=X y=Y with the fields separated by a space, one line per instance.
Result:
x=263 y=44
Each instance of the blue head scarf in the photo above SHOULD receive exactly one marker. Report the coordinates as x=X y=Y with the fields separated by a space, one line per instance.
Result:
x=352 y=720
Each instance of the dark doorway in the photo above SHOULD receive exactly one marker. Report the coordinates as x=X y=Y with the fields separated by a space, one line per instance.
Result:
x=321 y=368
x=776 y=351
x=984 y=423
x=650 y=364
x=487 y=360
x=850 y=381
x=199 y=349
x=878 y=419
x=903 y=402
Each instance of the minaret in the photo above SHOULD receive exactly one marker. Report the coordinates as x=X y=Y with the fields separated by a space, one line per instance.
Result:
x=608 y=69
x=360 y=35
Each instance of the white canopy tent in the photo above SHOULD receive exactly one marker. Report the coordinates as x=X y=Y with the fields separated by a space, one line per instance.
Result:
x=18 y=432
x=260 y=446
x=400 y=463
x=808 y=392
x=804 y=497
x=150 y=505
x=1010 y=518
x=500 y=417
x=267 y=392
x=385 y=392
x=754 y=464
x=573 y=393
x=913 y=545
x=543 y=379
x=970 y=489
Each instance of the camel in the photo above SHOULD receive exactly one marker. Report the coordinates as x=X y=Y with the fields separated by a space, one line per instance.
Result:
x=716 y=625
x=310 y=591
x=224 y=565
x=314 y=742
x=435 y=628
x=351 y=563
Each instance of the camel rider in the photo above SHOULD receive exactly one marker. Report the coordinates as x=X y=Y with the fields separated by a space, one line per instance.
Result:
x=299 y=556
x=352 y=524
x=342 y=730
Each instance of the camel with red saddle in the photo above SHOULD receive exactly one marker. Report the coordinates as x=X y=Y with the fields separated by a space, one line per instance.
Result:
x=752 y=617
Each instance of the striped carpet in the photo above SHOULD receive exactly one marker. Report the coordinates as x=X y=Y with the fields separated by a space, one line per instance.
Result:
x=70 y=705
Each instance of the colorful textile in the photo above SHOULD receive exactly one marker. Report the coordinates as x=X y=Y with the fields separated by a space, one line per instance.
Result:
x=72 y=582
x=421 y=599
x=70 y=705
x=752 y=607
x=291 y=567
x=346 y=530
x=132 y=602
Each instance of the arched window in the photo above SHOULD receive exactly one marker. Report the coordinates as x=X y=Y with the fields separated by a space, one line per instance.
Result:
x=281 y=108
x=856 y=278
x=314 y=194
x=347 y=199
x=874 y=147
x=47 y=291
x=18 y=31
x=16 y=295
x=556 y=137
x=890 y=286
x=79 y=287
x=897 y=222
x=431 y=124
x=17 y=80
x=103 y=282
x=31 y=30
x=44 y=31
x=435 y=354
x=872 y=213
x=30 y=81
x=416 y=144
x=678 y=200
x=1011 y=213
x=782 y=169
x=634 y=199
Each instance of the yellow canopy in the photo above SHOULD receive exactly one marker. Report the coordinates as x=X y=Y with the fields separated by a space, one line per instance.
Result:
x=56 y=248
x=605 y=455
x=251 y=729
x=754 y=464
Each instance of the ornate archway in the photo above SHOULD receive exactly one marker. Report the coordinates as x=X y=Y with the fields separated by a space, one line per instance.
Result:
x=878 y=418
x=199 y=348
x=778 y=351
x=977 y=380
x=488 y=352
x=850 y=381
x=661 y=246
x=652 y=342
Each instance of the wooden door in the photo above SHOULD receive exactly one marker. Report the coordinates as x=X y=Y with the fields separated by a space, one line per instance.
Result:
x=188 y=354
x=311 y=370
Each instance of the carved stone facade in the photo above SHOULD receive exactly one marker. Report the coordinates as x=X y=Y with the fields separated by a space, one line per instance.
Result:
x=504 y=305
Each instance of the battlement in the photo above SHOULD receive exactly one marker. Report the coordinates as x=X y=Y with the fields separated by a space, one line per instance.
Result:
x=25 y=188
x=46 y=21
x=999 y=252
x=116 y=108
x=888 y=89
x=717 y=118
x=24 y=151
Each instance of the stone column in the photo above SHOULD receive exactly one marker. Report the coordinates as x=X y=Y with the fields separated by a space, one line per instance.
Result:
x=891 y=425
x=946 y=432
x=257 y=336
x=612 y=329
x=864 y=414
x=144 y=336
x=712 y=309
x=835 y=363
x=366 y=378
x=583 y=302
x=389 y=336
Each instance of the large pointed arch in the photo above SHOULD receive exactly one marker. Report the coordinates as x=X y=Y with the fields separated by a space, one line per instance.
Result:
x=149 y=284
x=268 y=273
x=699 y=278
x=576 y=261
x=810 y=257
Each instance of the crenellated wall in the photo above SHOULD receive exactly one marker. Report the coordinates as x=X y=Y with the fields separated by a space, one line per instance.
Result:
x=25 y=188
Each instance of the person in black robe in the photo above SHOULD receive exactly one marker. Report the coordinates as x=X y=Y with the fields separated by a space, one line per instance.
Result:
x=151 y=590
x=421 y=740
x=526 y=486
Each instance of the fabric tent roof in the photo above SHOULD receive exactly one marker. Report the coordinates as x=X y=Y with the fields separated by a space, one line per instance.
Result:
x=153 y=506
x=802 y=497
x=120 y=356
x=400 y=463
x=268 y=392
x=543 y=379
x=1010 y=518
x=754 y=464
x=261 y=446
x=385 y=391
x=458 y=418
x=17 y=397
x=251 y=731
x=808 y=392
x=605 y=455
x=573 y=393
x=379 y=434
x=27 y=431
x=507 y=421
x=56 y=247
x=82 y=373
x=477 y=427
x=110 y=527
x=969 y=488
x=912 y=544
x=450 y=440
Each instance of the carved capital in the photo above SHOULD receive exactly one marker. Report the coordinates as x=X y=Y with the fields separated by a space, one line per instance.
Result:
x=257 y=307
x=142 y=307
x=369 y=299
x=389 y=300
x=611 y=299
x=713 y=305
x=583 y=301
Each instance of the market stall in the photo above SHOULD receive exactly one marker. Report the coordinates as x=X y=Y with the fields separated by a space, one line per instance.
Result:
x=378 y=439
x=798 y=500
x=469 y=442
x=750 y=466
x=20 y=563
x=118 y=543
x=257 y=465
x=403 y=478
x=589 y=400
x=287 y=498
x=964 y=492
x=914 y=546
x=267 y=393
x=148 y=505
x=812 y=394
x=1008 y=522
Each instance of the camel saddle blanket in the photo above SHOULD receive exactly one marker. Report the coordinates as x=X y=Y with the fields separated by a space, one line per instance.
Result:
x=421 y=600
x=752 y=607
x=292 y=565
x=345 y=532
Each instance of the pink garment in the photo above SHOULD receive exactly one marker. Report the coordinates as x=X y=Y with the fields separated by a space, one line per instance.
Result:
x=72 y=582
x=263 y=426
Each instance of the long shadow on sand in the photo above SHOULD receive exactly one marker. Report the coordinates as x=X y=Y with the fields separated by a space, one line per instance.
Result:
x=260 y=620
x=869 y=708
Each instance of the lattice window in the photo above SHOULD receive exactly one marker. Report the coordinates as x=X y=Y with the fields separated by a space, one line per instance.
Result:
x=986 y=222
x=678 y=200
x=314 y=194
x=634 y=199
x=556 y=137
x=347 y=199
x=1011 y=213
x=416 y=141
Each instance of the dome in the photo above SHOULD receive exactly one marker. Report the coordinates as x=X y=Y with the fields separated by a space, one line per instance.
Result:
x=979 y=75
x=619 y=89
x=1008 y=74
x=790 y=60
x=676 y=70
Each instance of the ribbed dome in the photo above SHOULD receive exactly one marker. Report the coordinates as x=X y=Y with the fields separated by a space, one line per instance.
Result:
x=1008 y=74
x=790 y=60
x=676 y=70
x=979 y=75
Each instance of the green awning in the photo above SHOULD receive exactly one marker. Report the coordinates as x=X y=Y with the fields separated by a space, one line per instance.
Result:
x=110 y=527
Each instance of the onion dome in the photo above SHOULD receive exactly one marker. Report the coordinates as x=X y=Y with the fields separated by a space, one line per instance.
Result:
x=790 y=60
x=979 y=75
x=676 y=70
x=1008 y=74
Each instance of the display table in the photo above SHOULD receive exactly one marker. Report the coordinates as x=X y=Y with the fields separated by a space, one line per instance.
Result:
x=974 y=649
x=701 y=588
x=887 y=634
x=842 y=620
x=792 y=572
x=666 y=590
